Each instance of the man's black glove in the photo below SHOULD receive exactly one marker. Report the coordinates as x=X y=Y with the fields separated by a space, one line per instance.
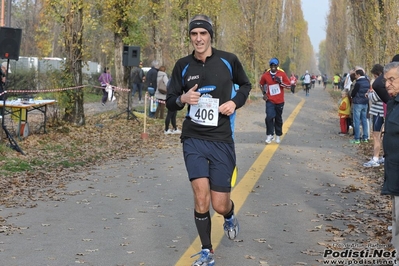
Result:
x=278 y=79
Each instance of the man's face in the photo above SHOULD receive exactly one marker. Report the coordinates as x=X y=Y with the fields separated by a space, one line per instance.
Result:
x=273 y=68
x=391 y=79
x=201 y=40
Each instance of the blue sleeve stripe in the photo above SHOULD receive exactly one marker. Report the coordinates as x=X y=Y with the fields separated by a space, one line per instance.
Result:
x=183 y=73
x=232 y=123
x=228 y=66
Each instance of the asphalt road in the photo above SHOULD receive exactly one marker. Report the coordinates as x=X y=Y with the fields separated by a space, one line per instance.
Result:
x=139 y=211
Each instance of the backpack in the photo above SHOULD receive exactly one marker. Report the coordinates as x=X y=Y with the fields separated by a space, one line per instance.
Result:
x=136 y=76
x=161 y=86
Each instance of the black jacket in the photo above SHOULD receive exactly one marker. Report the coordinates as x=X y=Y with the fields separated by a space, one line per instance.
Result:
x=151 y=78
x=221 y=76
x=137 y=75
x=391 y=149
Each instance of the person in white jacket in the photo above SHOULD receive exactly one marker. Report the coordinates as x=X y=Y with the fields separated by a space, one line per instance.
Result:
x=160 y=95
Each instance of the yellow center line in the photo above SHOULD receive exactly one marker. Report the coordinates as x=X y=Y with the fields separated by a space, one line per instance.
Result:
x=240 y=193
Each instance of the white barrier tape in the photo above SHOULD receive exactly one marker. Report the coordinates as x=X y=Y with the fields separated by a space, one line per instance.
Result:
x=61 y=89
x=156 y=100
x=115 y=88
x=119 y=89
x=39 y=91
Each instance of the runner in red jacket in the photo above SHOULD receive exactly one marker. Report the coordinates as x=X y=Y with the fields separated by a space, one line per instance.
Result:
x=273 y=82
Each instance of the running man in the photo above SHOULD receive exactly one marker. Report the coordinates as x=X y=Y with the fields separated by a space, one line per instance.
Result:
x=205 y=81
x=273 y=82
x=307 y=80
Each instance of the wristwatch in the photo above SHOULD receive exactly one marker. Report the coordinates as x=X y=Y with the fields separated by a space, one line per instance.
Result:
x=178 y=102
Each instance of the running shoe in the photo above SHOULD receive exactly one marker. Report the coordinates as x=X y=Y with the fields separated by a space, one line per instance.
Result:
x=269 y=139
x=278 y=139
x=354 y=141
x=205 y=259
x=231 y=227
x=371 y=163
x=176 y=131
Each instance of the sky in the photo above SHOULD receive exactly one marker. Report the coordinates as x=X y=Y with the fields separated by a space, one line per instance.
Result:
x=315 y=13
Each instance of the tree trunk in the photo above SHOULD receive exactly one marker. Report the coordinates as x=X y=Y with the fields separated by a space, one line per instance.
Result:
x=74 y=110
x=122 y=74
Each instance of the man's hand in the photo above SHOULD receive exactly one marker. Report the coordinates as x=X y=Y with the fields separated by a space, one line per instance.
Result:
x=265 y=97
x=278 y=79
x=192 y=96
x=227 y=108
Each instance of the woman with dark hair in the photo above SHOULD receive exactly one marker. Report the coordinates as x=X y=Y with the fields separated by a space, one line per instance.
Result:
x=105 y=80
x=377 y=112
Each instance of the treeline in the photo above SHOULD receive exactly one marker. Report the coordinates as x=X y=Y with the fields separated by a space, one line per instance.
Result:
x=96 y=30
x=359 y=32
x=255 y=30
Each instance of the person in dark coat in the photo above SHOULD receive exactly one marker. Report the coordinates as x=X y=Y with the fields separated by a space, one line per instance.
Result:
x=360 y=106
x=151 y=82
x=391 y=146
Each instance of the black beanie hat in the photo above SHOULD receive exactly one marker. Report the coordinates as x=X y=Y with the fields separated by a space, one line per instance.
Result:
x=199 y=23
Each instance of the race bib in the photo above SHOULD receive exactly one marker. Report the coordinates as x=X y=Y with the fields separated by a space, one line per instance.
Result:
x=206 y=112
x=274 y=89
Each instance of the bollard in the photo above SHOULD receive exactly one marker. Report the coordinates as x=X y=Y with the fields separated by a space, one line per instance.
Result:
x=144 y=134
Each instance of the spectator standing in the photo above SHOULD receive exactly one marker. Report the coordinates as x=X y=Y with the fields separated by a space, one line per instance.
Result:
x=3 y=97
x=391 y=147
x=336 y=80
x=377 y=113
x=205 y=81
x=151 y=83
x=344 y=109
x=159 y=95
x=151 y=78
x=105 y=80
x=137 y=77
x=293 y=80
x=352 y=78
x=325 y=80
x=347 y=81
x=3 y=75
x=273 y=82
x=171 y=119
x=360 y=106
